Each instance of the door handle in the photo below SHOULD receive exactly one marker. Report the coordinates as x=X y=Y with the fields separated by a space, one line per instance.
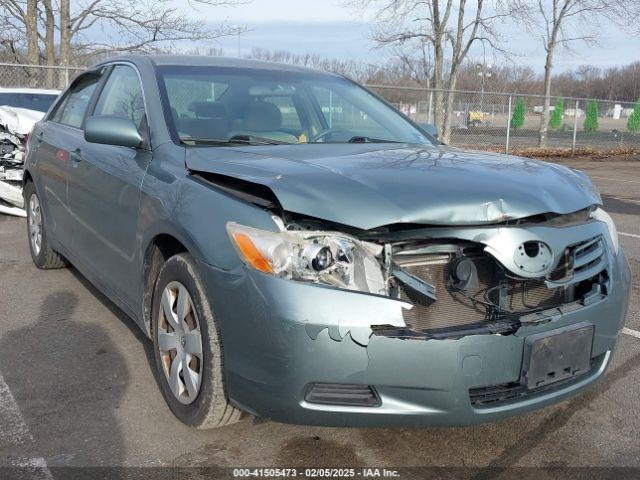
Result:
x=76 y=157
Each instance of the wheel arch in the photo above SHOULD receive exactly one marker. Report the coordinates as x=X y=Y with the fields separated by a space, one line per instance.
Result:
x=159 y=249
x=26 y=178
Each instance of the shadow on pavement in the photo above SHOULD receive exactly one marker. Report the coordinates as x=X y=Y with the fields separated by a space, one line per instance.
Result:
x=124 y=319
x=68 y=378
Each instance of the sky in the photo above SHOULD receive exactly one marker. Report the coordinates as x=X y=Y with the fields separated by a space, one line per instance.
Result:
x=327 y=28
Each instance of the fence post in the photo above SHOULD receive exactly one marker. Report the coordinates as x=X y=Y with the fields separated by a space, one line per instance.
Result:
x=575 y=128
x=506 y=146
x=66 y=76
x=430 y=114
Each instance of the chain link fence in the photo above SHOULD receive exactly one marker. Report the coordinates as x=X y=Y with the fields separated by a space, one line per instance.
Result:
x=480 y=120
x=511 y=122
x=36 y=76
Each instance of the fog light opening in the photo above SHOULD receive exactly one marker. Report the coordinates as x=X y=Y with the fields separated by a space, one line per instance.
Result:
x=342 y=394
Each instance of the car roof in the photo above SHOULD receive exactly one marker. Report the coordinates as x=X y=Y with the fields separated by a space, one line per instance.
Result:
x=42 y=91
x=208 y=61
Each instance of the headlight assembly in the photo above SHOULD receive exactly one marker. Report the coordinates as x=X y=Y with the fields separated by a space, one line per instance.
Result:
x=327 y=258
x=601 y=215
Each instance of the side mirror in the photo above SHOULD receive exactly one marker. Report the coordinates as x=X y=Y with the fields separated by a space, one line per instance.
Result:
x=112 y=131
x=430 y=128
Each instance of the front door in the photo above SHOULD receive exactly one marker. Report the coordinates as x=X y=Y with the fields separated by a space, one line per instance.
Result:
x=104 y=191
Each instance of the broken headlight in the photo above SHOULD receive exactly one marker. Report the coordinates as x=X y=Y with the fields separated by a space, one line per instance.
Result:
x=601 y=215
x=328 y=258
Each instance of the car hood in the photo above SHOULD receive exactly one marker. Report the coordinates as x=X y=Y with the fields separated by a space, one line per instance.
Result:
x=19 y=120
x=372 y=185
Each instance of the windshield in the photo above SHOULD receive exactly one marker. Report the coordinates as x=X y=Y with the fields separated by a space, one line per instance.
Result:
x=33 y=101
x=222 y=105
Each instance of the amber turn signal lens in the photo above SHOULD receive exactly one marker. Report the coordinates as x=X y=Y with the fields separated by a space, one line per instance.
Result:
x=251 y=254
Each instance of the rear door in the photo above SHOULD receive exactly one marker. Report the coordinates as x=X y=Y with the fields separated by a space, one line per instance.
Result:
x=56 y=143
x=104 y=190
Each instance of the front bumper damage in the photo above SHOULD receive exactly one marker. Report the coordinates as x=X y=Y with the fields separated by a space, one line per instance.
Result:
x=283 y=339
x=12 y=151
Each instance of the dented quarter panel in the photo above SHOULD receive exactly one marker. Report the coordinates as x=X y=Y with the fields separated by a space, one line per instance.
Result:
x=368 y=186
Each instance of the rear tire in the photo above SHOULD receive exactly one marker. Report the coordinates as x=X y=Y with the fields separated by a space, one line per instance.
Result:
x=188 y=349
x=42 y=254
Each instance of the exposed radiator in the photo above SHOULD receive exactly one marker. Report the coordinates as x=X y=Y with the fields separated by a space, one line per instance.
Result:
x=454 y=309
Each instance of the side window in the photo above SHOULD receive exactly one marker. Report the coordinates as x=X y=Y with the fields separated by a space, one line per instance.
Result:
x=287 y=107
x=72 y=109
x=122 y=96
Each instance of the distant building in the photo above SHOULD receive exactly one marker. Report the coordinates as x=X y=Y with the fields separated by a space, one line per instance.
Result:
x=539 y=108
x=570 y=112
x=615 y=112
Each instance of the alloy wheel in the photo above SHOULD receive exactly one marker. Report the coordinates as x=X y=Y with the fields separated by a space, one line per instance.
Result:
x=35 y=224
x=180 y=343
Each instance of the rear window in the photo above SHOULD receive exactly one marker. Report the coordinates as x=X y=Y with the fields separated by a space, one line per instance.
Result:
x=33 y=101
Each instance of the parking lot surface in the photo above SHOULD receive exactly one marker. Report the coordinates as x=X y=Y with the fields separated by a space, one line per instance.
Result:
x=77 y=387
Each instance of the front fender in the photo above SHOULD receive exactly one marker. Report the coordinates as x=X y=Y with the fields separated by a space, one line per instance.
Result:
x=195 y=213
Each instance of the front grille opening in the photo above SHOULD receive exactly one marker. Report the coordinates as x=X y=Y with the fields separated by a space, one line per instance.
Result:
x=352 y=395
x=496 y=300
x=580 y=259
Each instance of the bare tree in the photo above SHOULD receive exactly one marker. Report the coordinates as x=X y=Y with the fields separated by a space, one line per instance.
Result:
x=122 y=26
x=31 y=24
x=49 y=39
x=141 y=26
x=561 y=23
x=450 y=28
x=355 y=70
x=21 y=17
x=417 y=59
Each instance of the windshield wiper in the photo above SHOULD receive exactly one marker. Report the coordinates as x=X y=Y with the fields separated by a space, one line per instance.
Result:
x=236 y=139
x=362 y=139
x=255 y=140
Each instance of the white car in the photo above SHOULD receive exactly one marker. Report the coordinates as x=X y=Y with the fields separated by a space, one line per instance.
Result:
x=20 y=110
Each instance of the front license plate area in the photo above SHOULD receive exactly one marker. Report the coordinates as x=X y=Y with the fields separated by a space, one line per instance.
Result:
x=558 y=355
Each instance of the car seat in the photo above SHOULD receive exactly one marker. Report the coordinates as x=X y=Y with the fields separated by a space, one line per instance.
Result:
x=264 y=119
x=211 y=121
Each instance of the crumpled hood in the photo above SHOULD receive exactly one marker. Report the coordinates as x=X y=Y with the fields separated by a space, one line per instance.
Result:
x=369 y=185
x=19 y=120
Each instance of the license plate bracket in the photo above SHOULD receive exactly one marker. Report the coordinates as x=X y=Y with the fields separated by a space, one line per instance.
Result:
x=557 y=355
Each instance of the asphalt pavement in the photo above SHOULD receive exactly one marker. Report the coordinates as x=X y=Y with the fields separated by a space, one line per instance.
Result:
x=78 y=388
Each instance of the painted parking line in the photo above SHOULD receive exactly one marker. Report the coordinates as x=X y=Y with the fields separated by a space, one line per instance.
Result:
x=630 y=332
x=14 y=431
x=32 y=468
x=632 y=235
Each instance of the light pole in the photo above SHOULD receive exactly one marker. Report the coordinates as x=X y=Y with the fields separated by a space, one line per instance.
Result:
x=484 y=71
x=237 y=30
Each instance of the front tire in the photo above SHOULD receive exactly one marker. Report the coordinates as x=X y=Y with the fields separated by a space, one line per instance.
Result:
x=187 y=347
x=42 y=254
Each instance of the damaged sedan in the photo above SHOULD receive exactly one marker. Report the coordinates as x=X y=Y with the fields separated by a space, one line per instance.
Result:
x=297 y=249
x=20 y=109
